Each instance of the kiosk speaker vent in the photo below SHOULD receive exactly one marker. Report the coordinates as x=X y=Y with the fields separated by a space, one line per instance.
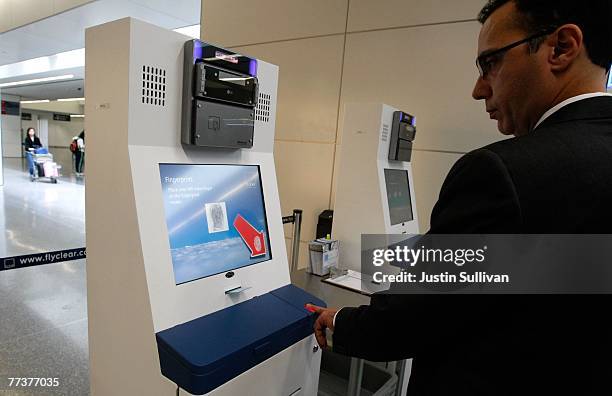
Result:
x=262 y=111
x=153 y=86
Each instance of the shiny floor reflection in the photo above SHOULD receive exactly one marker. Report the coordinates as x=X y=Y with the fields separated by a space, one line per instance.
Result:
x=39 y=216
x=43 y=325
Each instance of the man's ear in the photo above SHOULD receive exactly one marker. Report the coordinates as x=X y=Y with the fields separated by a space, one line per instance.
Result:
x=567 y=45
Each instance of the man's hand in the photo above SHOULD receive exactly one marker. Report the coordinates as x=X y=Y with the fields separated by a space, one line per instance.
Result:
x=324 y=321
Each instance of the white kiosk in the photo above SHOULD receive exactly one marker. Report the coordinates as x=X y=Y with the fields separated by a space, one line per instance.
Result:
x=187 y=274
x=375 y=193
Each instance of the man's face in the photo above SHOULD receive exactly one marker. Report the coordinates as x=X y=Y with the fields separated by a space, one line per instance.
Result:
x=515 y=88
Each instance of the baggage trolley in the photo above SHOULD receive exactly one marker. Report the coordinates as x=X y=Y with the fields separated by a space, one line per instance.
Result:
x=44 y=166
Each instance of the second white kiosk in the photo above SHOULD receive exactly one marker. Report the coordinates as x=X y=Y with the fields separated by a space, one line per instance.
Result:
x=375 y=190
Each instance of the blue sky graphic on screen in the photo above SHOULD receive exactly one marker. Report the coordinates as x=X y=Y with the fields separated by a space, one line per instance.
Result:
x=216 y=218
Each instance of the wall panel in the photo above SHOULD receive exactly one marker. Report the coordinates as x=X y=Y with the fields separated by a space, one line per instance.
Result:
x=25 y=11
x=16 y=13
x=304 y=180
x=429 y=169
x=384 y=14
x=432 y=77
x=11 y=132
x=308 y=86
x=240 y=22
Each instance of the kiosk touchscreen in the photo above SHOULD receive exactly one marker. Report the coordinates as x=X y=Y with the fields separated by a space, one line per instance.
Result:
x=216 y=218
x=397 y=185
x=188 y=280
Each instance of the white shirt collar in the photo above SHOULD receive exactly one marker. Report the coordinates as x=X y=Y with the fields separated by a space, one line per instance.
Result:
x=568 y=101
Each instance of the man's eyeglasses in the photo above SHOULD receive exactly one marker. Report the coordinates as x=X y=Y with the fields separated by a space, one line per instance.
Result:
x=487 y=60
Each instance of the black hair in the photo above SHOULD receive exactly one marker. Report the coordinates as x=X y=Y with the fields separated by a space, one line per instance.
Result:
x=28 y=131
x=592 y=17
x=82 y=134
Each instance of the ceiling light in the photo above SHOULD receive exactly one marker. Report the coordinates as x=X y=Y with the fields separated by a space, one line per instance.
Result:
x=71 y=100
x=36 y=80
x=46 y=64
x=191 y=31
x=34 y=101
x=77 y=115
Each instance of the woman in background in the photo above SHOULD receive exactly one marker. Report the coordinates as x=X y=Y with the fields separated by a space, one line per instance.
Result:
x=31 y=143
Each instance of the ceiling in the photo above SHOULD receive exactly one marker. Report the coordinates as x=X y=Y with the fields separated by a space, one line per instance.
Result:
x=53 y=90
x=66 y=32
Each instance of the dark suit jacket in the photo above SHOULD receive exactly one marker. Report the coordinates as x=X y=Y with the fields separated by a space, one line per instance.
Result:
x=557 y=179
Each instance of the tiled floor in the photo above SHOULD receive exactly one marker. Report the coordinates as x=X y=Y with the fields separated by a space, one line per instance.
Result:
x=43 y=309
x=39 y=216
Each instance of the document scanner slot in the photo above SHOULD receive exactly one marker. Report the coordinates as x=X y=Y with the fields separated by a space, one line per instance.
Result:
x=224 y=85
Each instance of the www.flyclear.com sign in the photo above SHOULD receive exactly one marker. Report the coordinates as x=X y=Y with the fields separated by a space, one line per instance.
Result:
x=30 y=260
x=491 y=263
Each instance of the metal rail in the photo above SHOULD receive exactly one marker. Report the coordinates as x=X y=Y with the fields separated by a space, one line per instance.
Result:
x=296 y=219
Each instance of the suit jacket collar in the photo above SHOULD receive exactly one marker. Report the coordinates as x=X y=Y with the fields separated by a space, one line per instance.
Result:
x=599 y=107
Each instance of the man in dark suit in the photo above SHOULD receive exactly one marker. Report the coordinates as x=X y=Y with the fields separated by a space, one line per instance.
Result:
x=543 y=69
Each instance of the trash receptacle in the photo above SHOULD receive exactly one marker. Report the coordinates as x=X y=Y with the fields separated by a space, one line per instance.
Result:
x=335 y=368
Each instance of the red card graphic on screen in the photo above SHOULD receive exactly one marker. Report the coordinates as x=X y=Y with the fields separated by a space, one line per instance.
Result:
x=254 y=239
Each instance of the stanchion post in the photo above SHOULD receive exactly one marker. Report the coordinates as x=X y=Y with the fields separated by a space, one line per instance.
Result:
x=295 y=245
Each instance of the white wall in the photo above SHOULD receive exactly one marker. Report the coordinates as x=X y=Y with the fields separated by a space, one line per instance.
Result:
x=60 y=132
x=1 y=165
x=27 y=124
x=11 y=132
x=416 y=55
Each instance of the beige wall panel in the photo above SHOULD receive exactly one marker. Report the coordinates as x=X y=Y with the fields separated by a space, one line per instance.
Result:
x=241 y=22
x=337 y=158
x=429 y=169
x=426 y=71
x=63 y=5
x=303 y=256
x=6 y=16
x=16 y=13
x=26 y=11
x=304 y=172
x=309 y=85
x=368 y=14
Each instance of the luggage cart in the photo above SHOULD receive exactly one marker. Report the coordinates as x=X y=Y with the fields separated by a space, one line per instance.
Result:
x=44 y=166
